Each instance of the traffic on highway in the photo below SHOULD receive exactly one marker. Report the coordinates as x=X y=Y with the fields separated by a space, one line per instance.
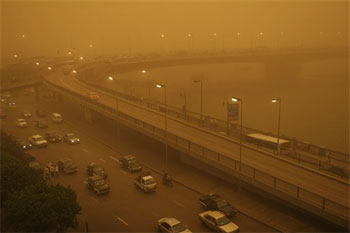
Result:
x=122 y=187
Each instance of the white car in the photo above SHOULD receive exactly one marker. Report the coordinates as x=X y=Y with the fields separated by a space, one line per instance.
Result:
x=26 y=114
x=218 y=221
x=37 y=140
x=172 y=225
x=56 y=117
x=93 y=95
x=21 y=123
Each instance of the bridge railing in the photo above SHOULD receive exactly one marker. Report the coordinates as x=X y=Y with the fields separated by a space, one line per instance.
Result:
x=328 y=161
x=227 y=164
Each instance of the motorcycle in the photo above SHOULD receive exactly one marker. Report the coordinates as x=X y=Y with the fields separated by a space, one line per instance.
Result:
x=167 y=180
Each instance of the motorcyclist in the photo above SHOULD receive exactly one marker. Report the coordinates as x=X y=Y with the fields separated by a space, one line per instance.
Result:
x=167 y=178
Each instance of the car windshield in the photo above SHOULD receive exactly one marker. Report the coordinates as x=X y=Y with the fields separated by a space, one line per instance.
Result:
x=222 y=203
x=132 y=162
x=39 y=138
x=222 y=221
x=99 y=182
x=149 y=181
x=179 y=227
x=20 y=120
x=70 y=136
x=98 y=169
x=68 y=164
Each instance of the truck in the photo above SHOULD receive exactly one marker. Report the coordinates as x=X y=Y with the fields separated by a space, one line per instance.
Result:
x=98 y=185
x=145 y=182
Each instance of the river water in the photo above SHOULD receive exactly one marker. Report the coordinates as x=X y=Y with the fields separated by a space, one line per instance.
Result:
x=314 y=107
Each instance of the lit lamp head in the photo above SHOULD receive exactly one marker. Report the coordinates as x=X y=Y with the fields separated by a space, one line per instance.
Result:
x=160 y=86
x=234 y=99
x=275 y=100
x=143 y=71
x=74 y=71
x=111 y=78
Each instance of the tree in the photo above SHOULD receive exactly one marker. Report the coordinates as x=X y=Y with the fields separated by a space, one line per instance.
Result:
x=42 y=208
x=10 y=146
x=15 y=175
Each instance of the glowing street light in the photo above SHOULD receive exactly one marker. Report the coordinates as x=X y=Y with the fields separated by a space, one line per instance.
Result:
x=110 y=78
x=91 y=46
x=236 y=100
x=74 y=71
x=23 y=36
x=143 y=71
x=69 y=53
x=278 y=100
x=37 y=63
x=165 y=126
x=15 y=56
x=49 y=68
x=201 y=82
x=81 y=58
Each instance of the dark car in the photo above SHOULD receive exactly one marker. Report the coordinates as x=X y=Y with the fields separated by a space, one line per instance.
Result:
x=53 y=136
x=216 y=202
x=129 y=162
x=11 y=103
x=98 y=185
x=26 y=114
x=41 y=124
x=25 y=145
x=40 y=113
x=94 y=169
x=67 y=166
x=71 y=138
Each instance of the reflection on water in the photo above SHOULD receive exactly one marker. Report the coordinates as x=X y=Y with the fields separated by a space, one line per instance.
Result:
x=315 y=106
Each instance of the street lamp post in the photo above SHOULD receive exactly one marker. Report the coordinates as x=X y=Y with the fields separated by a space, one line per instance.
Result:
x=278 y=100
x=117 y=108
x=165 y=127
x=190 y=36
x=162 y=38
x=201 y=111
x=234 y=99
x=149 y=85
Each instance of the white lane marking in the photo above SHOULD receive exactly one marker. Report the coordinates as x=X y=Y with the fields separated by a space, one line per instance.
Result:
x=179 y=204
x=103 y=160
x=122 y=171
x=115 y=159
x=121 y=220
x=85 y=150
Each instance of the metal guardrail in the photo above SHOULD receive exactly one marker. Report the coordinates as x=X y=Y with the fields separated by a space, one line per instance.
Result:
x=223 y=162
x=327 y=158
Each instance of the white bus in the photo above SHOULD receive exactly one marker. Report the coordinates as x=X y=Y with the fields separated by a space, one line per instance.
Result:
x=268 y=141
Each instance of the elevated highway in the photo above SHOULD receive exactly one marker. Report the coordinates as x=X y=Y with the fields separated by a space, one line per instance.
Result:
x=308 y=188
